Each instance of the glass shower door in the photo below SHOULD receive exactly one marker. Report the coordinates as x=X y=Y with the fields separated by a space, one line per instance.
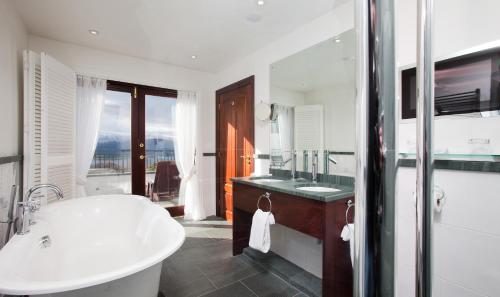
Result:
x=463 y=181
x=437 y=234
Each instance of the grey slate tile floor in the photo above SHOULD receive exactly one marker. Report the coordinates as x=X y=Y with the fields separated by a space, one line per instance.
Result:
x=204 y=266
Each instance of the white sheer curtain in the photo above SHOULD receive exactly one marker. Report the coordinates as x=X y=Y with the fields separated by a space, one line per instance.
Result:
x=186 y=135
x=89 y=103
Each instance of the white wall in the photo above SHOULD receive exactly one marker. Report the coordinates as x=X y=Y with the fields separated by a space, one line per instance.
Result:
x=13 y=40
x=285 y=96
x=340 y=120
x=301 y=249
x=119 y=67
x=466 y=233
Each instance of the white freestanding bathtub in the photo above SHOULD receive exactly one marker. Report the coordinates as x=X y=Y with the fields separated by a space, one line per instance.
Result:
x=101 y=246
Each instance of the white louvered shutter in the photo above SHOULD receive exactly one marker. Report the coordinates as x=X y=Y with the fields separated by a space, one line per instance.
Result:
x=58 y=125
x=308 y=127
x=32 y=120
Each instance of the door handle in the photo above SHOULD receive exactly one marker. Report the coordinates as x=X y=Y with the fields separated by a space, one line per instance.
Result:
x=248 y=158
x=142 y=157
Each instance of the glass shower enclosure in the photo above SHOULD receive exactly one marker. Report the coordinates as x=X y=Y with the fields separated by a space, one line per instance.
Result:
x=428 y=150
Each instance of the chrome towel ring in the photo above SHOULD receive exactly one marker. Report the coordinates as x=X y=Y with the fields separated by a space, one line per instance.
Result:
x=266 y=195
x=349 y=205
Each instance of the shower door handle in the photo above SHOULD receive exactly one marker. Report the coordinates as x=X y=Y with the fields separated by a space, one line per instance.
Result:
x=424 y=157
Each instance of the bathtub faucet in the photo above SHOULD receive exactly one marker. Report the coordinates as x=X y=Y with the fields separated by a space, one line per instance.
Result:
x=31 y=204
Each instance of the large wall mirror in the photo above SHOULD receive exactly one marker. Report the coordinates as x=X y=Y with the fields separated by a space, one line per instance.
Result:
x=312 y=100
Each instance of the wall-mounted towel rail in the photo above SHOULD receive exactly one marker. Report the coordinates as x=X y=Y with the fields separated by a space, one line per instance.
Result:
x=266 y=195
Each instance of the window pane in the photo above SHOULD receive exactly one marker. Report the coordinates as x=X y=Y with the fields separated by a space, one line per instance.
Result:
x=161 y=171
x=110 y=171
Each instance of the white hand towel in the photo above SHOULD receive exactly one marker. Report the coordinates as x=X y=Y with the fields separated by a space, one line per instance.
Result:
x=348 y=235
x=260 y=235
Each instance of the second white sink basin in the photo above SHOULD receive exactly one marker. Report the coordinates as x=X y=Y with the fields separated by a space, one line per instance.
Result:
x=318 y=189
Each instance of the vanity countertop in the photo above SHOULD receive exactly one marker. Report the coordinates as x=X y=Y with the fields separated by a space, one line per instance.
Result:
x=289 y=186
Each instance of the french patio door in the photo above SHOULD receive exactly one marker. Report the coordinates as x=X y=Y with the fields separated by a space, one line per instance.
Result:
x=136 y=133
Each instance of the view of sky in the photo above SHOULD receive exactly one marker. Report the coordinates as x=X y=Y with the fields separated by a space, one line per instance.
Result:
x=159 y=117
x=116 y=118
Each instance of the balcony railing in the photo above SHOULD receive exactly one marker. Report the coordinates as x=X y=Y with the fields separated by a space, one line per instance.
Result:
x=120 y=162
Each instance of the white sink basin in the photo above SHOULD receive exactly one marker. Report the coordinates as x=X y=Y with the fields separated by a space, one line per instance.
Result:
x=318 y=189
x=268 y=180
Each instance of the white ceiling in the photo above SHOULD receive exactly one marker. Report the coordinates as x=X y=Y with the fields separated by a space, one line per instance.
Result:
x=171 y=31
x=326 y=64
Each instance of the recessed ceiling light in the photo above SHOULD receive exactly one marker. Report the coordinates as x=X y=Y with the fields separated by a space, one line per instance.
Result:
x=194 y=57
x=261 y=2
x=336 y=39
x=94 y=32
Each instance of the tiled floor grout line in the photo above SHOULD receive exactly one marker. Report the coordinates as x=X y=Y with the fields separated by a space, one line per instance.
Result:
x=230 y=284
x=209 y=292
x=211 y=282
x=218 y=288
x=288 y=283
x=248 y=288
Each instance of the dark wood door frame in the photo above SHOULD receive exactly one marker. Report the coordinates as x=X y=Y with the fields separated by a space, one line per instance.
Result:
x=242 y=83
x=138 y=130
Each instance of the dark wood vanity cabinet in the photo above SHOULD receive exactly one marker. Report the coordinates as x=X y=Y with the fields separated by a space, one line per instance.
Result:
x=323 y=220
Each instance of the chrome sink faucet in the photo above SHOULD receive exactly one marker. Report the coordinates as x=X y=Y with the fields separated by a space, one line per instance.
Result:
x=293 y=165
x=314 y=166
x=327 y=159
x=29 y=205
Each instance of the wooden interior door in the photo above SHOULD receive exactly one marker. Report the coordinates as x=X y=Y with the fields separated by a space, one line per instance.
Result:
x=235 y=140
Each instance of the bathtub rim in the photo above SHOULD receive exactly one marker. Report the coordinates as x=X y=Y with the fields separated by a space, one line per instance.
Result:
x=48 y=287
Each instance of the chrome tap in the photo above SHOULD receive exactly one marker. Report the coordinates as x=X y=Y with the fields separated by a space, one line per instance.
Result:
x=327 y=158
x=293 y=166
x=30 y=205
x=314 y=166
x=305 y=161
